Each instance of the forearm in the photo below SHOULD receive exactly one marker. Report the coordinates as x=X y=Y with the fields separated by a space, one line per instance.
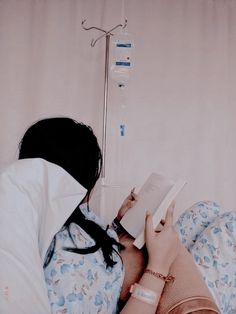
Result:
x=162 y=248
x=137 y=306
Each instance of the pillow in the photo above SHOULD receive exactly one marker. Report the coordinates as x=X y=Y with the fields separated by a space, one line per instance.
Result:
x=36 y=198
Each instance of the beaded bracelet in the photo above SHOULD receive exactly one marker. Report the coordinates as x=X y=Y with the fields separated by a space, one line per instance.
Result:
x=168 y=278
x=145 y=295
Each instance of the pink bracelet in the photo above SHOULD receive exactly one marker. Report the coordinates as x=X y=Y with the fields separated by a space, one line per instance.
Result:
x=167 y=278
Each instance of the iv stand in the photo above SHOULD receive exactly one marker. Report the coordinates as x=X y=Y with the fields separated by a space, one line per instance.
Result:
x=108 y=35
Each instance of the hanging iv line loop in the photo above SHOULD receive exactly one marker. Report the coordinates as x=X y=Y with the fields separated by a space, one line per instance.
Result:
x=106 y=33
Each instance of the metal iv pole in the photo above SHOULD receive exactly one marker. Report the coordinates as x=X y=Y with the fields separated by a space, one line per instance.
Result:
x=108 y=35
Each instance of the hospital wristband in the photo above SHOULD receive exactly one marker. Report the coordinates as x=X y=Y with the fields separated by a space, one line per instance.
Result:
x=145 y=295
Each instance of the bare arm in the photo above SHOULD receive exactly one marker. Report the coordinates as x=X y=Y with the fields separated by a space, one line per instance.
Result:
x=162 y=249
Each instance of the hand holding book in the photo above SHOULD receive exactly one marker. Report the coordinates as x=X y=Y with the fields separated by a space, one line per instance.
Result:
x=156 y=195
x=128 y=203
x=156 y=243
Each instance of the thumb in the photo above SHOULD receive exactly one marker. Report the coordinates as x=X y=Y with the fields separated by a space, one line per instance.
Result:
x=169 y=215
x=148 y=225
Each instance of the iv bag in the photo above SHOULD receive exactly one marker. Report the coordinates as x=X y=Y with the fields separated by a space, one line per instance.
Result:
x=122 y=58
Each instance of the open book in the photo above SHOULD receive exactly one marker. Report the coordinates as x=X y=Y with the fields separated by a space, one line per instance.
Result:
x=156 y=195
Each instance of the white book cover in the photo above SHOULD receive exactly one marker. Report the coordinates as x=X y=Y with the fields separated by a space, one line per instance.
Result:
x=156 y=195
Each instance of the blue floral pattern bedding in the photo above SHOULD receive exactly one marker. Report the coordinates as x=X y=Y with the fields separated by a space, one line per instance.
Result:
x=79 y=283
x=209 y=234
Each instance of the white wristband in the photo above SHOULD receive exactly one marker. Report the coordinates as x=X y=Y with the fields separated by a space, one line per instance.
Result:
x=143 y=294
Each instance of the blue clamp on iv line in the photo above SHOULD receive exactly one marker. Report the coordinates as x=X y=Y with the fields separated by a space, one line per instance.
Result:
x=122 y=130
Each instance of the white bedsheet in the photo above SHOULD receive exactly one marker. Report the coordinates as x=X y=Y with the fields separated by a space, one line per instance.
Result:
x=36 y=198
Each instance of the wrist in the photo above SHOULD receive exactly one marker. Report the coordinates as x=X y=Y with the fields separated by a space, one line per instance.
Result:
x=123 y=209
x=158 y=267
x=118 y=217
x=117 y=227
x=144 y=294
x=166 y=278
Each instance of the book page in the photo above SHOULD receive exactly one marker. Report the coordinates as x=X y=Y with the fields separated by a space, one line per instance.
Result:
x=150 y=197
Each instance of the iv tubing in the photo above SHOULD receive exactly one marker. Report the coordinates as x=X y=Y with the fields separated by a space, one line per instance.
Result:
x=105 y=103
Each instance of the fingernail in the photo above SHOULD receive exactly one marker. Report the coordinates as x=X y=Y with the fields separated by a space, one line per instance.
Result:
x=132 y=192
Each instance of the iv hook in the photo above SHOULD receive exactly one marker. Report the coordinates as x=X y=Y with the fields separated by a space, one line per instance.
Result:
x=93 y=42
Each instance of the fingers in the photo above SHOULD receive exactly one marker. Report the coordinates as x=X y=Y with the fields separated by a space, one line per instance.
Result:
x=169 y=215
x=168 y=222
x=131 y=199
x=148 y=225
x=133 y=196
x=160 y=227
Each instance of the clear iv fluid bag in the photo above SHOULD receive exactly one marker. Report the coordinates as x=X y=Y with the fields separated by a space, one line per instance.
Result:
x=121 y=58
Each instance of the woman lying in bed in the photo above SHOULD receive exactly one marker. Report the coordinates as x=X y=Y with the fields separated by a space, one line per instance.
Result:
x=61 y=162
x=82 y=267
x=206 y=232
